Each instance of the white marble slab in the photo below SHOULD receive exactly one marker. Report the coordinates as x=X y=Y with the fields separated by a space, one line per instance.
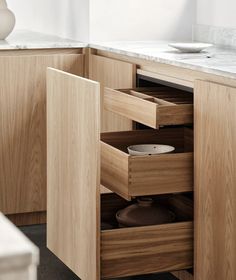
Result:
x=215 y=60
x=18 y=255
x=214 y=34
x=22 y=39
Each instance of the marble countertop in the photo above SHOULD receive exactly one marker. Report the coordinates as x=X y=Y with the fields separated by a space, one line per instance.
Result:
x=16 y=251
x=23 y=39
x=215 y=60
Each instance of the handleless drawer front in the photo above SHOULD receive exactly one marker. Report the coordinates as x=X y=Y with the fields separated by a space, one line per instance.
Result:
x=151 y=106
x=150 y=249
x=131 y=176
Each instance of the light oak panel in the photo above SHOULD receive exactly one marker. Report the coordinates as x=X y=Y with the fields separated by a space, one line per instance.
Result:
x=23 y=128
x=24 y=219
x=215 y=181
x=113 y=74
x=26 y=52
x=73 y=172
x=142 y=250
x=146 y=175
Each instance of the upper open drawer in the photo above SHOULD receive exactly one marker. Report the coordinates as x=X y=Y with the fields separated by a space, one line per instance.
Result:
x=151 y=106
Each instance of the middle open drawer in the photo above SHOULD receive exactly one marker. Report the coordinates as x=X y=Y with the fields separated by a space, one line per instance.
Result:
x=131 y=176
x=151 y=106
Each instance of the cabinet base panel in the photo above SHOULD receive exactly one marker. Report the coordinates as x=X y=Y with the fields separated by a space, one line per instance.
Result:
x=24 y=219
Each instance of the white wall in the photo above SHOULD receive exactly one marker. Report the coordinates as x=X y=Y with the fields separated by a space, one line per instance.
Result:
x=141 y=19
x=217 y=13
x=107 y=20
x=65 y=18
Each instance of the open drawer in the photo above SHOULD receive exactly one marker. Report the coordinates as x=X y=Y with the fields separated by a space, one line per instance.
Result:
x=151 y=106
x=150 y=249
x=131 y=176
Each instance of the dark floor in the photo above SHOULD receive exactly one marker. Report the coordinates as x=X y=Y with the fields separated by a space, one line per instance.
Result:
x=52 y=268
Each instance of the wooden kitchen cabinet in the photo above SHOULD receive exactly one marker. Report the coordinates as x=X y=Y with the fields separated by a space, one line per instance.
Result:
x=76 y=208
x=108 y=253
x=23 y=125
x=112 y=73
x=215 y=181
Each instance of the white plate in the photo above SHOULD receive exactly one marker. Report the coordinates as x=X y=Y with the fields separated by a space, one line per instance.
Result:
x=190 y=47
x=149 y=149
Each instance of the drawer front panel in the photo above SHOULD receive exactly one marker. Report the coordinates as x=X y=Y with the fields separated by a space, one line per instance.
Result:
x=156 y=175
x=134 y=251
x=160 y=106
x=147 y=175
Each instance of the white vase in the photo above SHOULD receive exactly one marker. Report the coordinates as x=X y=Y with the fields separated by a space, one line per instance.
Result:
x=7 y=20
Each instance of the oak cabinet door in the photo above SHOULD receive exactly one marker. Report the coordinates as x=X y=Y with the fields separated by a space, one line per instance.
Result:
x=215 y=181
x=23 y=128
x=113 y=74
x=73 y=172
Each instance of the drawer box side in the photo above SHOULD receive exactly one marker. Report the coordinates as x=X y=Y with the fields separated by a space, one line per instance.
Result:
x=114 y=170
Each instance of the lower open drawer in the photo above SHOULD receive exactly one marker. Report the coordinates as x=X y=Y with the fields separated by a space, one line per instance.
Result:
x=131 y=176
x=150 y=249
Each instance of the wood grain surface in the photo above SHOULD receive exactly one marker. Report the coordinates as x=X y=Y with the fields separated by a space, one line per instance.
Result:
x=112 y=73
x=142 y=250
x=23 y=128
x=24 y=219
x=215 y=181
x=73 y=172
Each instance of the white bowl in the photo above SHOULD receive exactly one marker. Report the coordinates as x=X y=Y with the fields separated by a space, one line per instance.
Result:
x=190 y=47
x=149 y=149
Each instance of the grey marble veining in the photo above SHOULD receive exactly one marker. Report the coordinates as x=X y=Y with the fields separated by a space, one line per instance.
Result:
x=22 y=39
x=215 y=35
x=215 y=60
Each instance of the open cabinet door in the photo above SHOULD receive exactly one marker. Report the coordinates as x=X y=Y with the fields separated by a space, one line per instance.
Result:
x=73 y=172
